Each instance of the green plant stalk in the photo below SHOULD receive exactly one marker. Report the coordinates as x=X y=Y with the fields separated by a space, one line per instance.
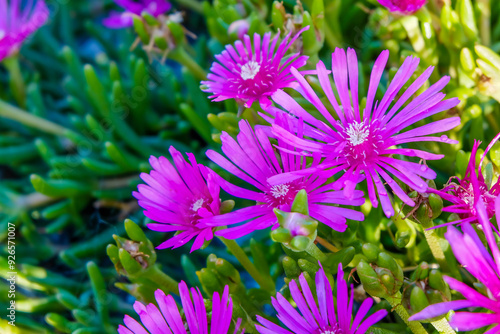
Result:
x=13 y=113
x=182 y=57
x=415 y=326
x=241 y=256
x=437 y=252
x=194 y=5
x=485 y=21
x=100 y=293
x=16 y=80
x=315 y=252
x=442 y=326
x=162 y=279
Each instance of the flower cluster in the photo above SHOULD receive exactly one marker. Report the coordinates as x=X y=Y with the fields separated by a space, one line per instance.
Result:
x=403 y=6
x=461 y=194
x=166 y=317
x=118 y=20
x=326 y=319
x=319 y=146
x=363 y=142
x=18 y=21
x=479 y=262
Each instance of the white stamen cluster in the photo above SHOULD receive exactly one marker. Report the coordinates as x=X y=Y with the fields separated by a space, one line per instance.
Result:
x=279 y=190
x=197 y=205
x=249 y=70
x=357 y=133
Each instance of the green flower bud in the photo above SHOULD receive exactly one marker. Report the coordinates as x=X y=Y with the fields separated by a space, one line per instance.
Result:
x=141 y=30
x=291 y=267
x=278 y=15
x=209 y=280
x=130 y=265
x=466 y=13
x=467 y=60
x=309 y=267
x=388 y=262
x=436 y=205
x=344 y=256
x=281 y=235
x=370 y=280
x=227 y=269
x=418 y=300
x=297 y=230
x=495 y=154
x=371 y=252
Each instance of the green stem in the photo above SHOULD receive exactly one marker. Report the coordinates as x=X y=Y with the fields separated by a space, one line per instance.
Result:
x=442 y=326
x=437 y=251
x=159 y=277
x=194 y=5
x=235 y=249
x=16 y=80
x=485 y=21
x=415 y=326
x=315 y=252
x=182 y=57
x=30 y=120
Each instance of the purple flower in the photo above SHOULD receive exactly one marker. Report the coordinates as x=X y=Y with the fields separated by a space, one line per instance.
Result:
x=253 y=160
x=333 y=317
x=471 y=253
x=249 y=75
x=166 y=317
x=18 y=20
x=364 y=139
x=178 y=197
x=403 y=6
x=118 y=20
x=461 y=194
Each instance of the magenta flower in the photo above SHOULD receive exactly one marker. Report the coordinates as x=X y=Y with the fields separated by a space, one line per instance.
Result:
x=166 y=317
x=178 y=197
x=18 y=20
x=253 y=160
x=333 y=317
x=118 y=20
x=471 y=253
x=249 y=75
x=403 y=6
x=461 y=193
x=363 y=140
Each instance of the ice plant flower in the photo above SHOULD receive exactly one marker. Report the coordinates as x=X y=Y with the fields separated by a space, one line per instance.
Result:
x=249 y=74
x=18 y=20
x=329 y=318
x=471 y=253
x=252 y=159
x=119 y=20
x=178 y=197
x=461 y=194
x=365 y=142
x=166 y=317
x=403 y=6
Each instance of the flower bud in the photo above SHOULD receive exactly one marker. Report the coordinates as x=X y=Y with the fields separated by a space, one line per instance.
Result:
x=132 y=256
x=291 y=267
x=297 y=230
x=371 y=252
x=278 y=15
x=343 y=256
x=238 y=28
x=383 y=279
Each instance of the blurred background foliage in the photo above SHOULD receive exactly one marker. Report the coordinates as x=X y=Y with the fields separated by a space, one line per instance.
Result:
x=84 y=107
